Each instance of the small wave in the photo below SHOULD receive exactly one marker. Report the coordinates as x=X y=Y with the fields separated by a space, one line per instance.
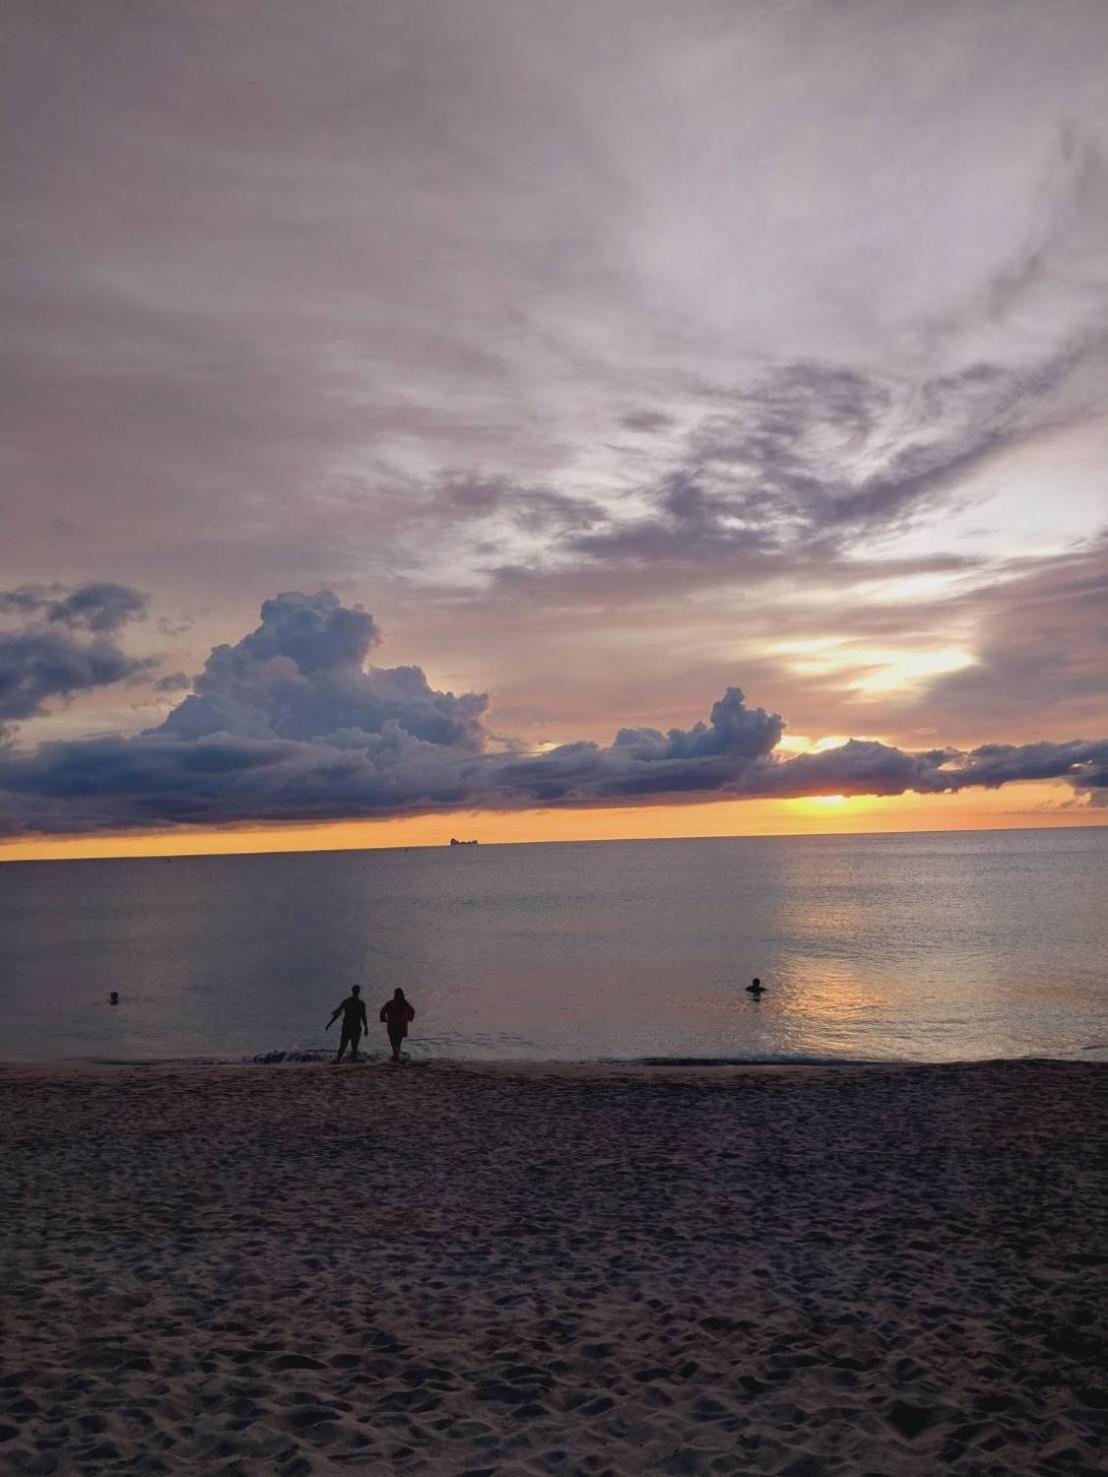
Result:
x=258 y=1059
x=296 y=1054
x=291 y=1056
x=155 y=1061
x=750 y=1061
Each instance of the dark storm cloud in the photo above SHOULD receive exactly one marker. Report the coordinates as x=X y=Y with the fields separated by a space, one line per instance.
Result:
x=865 y=767
x=40 y=665
x=733 y=728
x=286 y=725
x=63 y=644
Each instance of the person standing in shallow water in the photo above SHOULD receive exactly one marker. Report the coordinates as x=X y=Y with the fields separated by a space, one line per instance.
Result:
x=396 y=1013
x=354 y=1021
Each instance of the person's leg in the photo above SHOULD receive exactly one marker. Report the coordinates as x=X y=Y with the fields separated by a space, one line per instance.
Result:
x=343 y=1042
x=395 y=1040
x=355 y=1037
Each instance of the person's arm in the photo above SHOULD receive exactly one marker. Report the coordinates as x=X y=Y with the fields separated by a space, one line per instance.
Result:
x=365 y=1019
x=384 y=1011
x=410 y=1011
x=334 y=1017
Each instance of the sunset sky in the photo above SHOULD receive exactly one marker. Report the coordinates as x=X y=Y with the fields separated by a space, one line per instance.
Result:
x=538 y=421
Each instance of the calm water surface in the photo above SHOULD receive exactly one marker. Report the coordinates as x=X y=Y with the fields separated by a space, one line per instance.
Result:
x=925 y=947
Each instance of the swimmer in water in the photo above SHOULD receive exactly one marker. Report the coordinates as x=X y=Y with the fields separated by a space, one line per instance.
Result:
x=113 y=998
x=755 y=988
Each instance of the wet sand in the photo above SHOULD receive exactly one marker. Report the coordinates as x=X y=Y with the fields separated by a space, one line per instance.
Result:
x=438 y=1269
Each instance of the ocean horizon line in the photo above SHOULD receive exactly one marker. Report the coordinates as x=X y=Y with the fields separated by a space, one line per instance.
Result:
x=824 y=836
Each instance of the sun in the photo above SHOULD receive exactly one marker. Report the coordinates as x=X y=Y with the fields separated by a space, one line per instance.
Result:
x=820 y=806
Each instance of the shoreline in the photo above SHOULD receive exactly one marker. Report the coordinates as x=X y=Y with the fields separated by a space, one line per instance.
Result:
x=638 y=1067
x=60 y=1066
x=530 y=1269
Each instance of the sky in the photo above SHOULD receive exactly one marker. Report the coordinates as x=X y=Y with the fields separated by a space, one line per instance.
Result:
x=538 y=422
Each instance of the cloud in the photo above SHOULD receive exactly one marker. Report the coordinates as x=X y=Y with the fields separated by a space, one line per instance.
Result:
x=816 y=457
x=647 y=422
x=585 y=218
x=732 y=729
x=300 y=677
x=602 y=342
x=458 y=497
x=40 y=665
x=288 y=725
x=100 y=606
x=64 y=644
x=103 y=608
x=1042 y=645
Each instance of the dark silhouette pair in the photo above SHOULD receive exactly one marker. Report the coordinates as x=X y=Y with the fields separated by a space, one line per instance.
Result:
x=396 y=1014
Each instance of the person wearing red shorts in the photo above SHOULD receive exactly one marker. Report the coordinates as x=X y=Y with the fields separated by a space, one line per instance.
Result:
x=396 y=1013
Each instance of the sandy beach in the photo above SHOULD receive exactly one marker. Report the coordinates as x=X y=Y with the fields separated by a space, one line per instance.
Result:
x=439 y=1269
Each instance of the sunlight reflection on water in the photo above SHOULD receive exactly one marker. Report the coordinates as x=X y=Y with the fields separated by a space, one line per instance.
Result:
x=925 y=947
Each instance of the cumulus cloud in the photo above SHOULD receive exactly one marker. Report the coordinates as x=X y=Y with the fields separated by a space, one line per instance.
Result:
x=289 y=724
x=64 y=642
x=300 y=677
x=732 y=729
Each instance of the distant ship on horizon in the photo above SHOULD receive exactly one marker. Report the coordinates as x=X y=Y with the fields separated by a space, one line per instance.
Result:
x=455 y=842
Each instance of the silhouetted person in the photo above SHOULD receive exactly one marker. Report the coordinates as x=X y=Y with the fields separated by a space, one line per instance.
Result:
x=755 y=988
x=396 y=1013
x=113 y=998
x=354 y=1021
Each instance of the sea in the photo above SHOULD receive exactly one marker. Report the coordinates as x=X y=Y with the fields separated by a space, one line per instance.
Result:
x=925 y=947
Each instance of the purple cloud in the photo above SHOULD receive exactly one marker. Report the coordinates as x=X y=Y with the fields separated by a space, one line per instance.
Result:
x=289 y=725
x=601 y=342
x=64 y=644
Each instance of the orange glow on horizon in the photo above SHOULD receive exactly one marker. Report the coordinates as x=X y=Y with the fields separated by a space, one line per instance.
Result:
x=1031 y=805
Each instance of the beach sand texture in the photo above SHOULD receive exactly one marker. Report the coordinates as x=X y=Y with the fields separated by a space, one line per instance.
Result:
x=310 y=1269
